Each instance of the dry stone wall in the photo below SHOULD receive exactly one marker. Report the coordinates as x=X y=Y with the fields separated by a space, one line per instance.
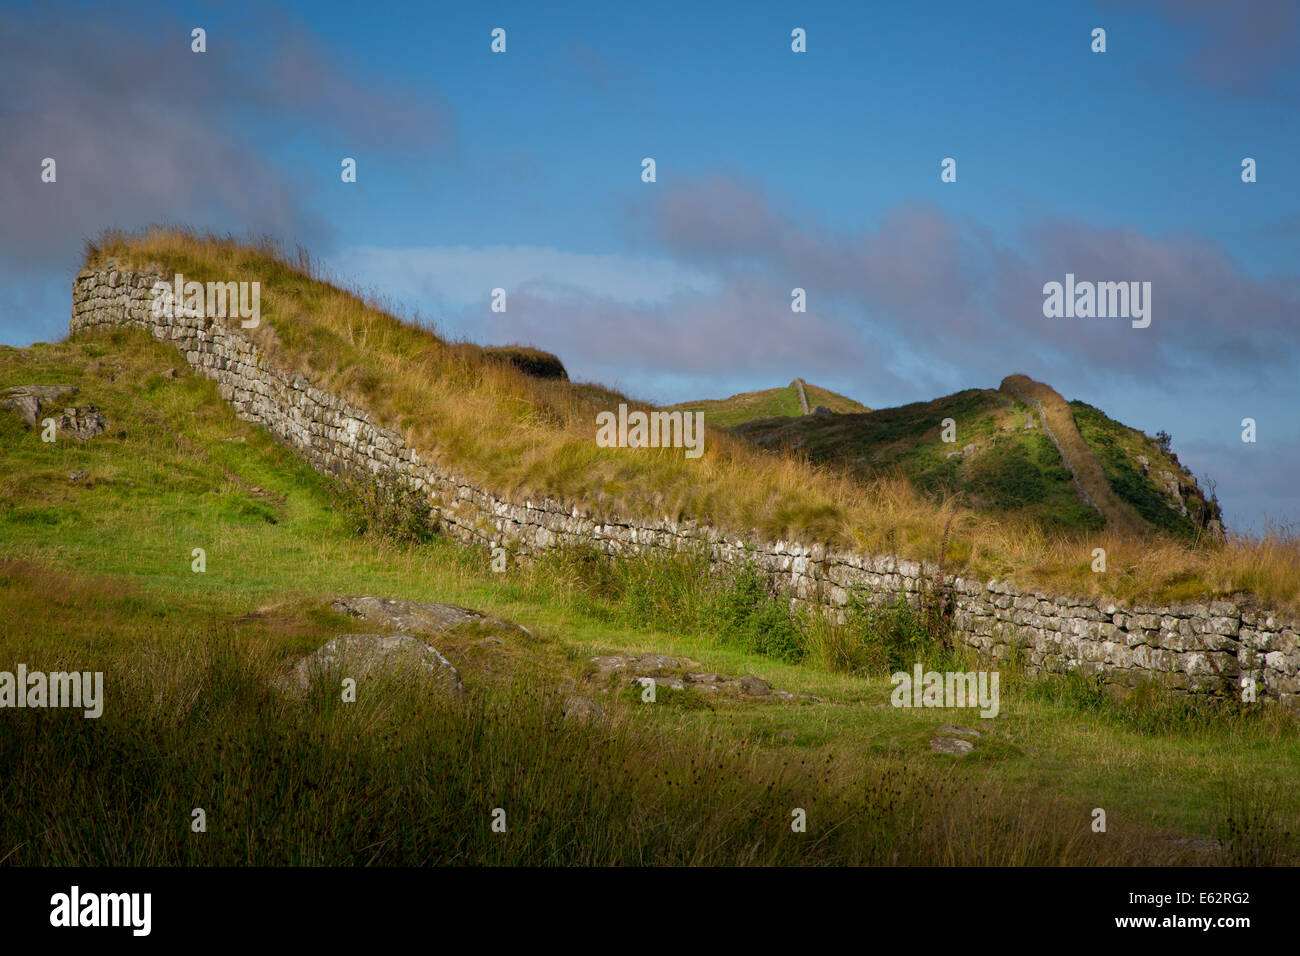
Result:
x=1203 y=647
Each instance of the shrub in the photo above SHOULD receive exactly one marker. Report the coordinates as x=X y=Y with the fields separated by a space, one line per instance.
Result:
x=755 y=617
x=386 y=509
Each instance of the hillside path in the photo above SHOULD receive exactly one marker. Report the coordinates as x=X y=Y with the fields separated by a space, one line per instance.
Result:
x=1058 y=422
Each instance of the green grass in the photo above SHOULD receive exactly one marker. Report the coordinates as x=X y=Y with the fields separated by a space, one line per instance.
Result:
x=768 y=403
x=1117 y=447
x=396 y=779
x=1011 y=470
x=96 y=574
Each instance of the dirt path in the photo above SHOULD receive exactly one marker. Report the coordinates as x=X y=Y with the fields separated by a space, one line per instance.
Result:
x=1058 y=422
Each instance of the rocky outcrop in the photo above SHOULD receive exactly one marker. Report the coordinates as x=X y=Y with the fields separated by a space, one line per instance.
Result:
x=28 y=400
x=1206 y=646
x=679 y=674
x=530 y=361
x=31 y=402
x=415 y=617
x=396 y=657
x=82 y=424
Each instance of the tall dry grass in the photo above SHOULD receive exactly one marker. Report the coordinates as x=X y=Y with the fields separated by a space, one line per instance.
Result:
x=524 y=436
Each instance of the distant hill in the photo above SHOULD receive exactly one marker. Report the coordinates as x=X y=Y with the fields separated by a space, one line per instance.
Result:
x=1084 y=471
x=769 y=403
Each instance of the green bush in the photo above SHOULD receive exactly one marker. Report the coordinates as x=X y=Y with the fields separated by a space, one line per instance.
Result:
x=754 y=617
x=386 y=509
x=897 y=635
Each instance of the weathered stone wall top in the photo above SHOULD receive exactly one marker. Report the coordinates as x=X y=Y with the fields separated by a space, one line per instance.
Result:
x=1207 y=647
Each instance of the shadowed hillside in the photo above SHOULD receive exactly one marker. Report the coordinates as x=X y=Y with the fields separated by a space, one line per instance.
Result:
x=1014 y=450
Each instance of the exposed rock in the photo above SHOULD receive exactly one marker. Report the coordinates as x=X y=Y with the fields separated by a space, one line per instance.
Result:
x=646 y=665
x=672 y=683
x=958 y=731
x=787 y=695
x=754 y=686
x=83 y=424
x=530 y=361
x=659 y=668
x=394 y=656
x=414 y=617
x=27 y=400
x=951 y=745
x=709 y=678
x=31 y=401
x=77 y=476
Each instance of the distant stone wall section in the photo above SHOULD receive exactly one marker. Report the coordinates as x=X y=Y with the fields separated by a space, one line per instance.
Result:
x=1204 y=647
x=798 y=384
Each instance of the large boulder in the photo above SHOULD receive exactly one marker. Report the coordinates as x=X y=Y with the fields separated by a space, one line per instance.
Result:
x=391 y=656
x=27 y=400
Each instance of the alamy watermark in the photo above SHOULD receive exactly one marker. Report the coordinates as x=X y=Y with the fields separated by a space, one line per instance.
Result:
x=76 y=689
x=1101 y=300
x=651 y=430
x=948 y=689
x=216 y=300
x=75 y=908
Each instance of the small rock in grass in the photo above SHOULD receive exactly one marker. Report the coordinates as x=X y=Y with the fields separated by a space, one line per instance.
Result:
x=581 y=709
x=951 y=745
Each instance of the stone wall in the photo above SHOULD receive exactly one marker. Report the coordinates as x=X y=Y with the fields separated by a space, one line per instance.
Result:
x=1204 y=647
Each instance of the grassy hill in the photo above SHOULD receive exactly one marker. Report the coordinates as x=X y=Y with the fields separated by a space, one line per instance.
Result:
x=524 y=435
x=1146 y=475
x=96 y=573
x=1002 y=460
x=768 y=403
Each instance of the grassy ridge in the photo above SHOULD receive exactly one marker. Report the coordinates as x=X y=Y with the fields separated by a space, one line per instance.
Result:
x=769 y=403
x=517 y=434
x=995 y=465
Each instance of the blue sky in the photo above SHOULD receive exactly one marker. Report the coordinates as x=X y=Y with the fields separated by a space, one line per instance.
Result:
x=774 y=170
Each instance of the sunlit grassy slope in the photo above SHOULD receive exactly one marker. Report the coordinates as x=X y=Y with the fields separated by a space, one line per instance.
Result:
x=519 y=434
